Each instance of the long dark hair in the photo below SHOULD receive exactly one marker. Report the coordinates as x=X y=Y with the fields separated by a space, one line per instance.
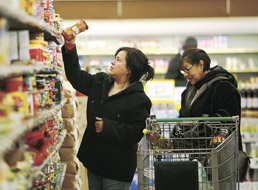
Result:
x=138 y=64
x=193 y=56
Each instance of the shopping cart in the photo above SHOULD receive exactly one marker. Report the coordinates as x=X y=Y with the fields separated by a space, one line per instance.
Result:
x=200 y=153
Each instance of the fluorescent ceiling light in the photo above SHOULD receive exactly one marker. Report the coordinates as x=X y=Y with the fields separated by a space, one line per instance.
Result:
x=182 y=26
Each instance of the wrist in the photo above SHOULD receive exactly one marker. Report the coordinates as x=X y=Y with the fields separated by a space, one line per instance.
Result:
x=69 y=46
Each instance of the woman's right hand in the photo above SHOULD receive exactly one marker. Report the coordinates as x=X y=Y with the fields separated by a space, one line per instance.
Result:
x=69 y=36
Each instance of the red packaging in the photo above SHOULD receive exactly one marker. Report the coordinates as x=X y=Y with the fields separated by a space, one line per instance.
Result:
x=14 y=83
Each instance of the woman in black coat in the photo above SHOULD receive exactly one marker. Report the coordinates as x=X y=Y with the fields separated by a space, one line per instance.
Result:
x=116 y=112
x=210 y=91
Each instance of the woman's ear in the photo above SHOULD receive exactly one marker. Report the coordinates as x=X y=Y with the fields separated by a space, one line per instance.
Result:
x=201 y=63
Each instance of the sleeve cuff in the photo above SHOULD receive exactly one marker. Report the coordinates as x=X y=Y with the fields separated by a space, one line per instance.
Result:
x=69 y=47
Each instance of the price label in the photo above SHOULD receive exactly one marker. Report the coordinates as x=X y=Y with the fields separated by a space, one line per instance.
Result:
x=161 y=91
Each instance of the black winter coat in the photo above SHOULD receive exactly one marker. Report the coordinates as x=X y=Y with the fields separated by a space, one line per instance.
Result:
x=217 y=95
x=112 y=153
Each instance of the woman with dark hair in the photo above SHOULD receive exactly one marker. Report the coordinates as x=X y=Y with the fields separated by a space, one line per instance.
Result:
x=210 y=91
x=116 y=112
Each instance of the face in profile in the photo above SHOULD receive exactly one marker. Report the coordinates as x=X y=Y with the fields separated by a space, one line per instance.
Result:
x=118 y=65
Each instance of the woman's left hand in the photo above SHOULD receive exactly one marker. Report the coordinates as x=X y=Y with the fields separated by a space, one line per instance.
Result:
x=99 y=124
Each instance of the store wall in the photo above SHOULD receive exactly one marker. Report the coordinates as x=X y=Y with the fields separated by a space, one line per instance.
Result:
x=130 y=9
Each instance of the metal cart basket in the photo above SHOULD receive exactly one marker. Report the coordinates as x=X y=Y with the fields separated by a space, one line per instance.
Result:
x=199 y=152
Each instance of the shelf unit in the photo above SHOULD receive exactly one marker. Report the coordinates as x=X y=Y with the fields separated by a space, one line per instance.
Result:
x=37 y=170
x=9 y=70
x=14 y=131
x=19 y=20
x=249 y=133
x=238 y=53
x=92 y=52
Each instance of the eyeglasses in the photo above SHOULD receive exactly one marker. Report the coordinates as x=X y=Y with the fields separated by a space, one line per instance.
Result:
x=186 y=70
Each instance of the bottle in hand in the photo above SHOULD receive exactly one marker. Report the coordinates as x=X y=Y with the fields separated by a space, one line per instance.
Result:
x=77 y=28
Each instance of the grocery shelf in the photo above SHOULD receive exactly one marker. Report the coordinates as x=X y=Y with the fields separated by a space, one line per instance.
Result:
x=17 y=128
x=46 y=69
x=247 y=185
x=159 y=52
x=208 y=50
x=15 y=69
x=20 y=20
x=231 y=71
x=254 y=163
x=88 y=52
x=62 y=135
x=57 y=38
x=230 y=50
x=37 y=170
x=14 y=130
x=249 y=137
x=85 y=52
x=250 y=113
x=14 y=127
x=30 y=123
x=244 y=71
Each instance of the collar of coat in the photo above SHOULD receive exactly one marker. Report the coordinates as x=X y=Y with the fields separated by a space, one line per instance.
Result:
x=216 y=73
x=133 y=87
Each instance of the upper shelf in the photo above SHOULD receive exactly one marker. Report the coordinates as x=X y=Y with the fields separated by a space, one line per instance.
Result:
x=230 y=50
x=20 y=20
x=104 y=52
x=169 y=26
x=8 y=70
x=166 y=51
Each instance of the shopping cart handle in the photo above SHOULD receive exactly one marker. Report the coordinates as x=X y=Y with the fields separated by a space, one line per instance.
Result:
x=233 y=118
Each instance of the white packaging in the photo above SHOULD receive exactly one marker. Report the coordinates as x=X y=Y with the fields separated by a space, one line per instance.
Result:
x=24 y=42
x=13 y=48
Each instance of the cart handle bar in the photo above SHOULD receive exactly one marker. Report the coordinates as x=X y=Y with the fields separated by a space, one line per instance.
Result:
x=233 y=118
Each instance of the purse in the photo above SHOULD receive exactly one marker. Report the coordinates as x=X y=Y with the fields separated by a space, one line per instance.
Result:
x=243 y=158
x=243 y=163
